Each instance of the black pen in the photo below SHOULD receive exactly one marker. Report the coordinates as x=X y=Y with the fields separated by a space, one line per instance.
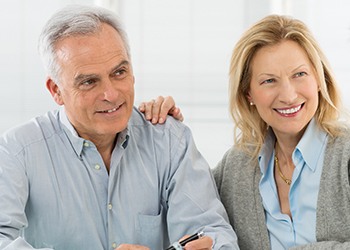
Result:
x=179 y=245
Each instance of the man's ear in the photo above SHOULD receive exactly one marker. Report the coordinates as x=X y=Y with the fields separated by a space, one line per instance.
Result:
x=54 y=90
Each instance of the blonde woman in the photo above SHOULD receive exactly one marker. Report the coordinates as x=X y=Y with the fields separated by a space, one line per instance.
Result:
x=285 y=182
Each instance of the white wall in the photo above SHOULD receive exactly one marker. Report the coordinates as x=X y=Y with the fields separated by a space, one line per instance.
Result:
x=22 y=86
x=180 y=48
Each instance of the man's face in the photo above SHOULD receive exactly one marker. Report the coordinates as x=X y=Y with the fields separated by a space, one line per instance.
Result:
x=97 y=83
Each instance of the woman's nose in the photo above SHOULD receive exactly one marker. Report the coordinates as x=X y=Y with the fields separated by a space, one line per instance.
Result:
x=287 y=92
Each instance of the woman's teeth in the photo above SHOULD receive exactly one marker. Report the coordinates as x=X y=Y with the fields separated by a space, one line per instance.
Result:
x=289 y=111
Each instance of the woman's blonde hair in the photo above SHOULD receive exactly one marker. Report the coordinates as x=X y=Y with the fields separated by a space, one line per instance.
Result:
x=250 y=130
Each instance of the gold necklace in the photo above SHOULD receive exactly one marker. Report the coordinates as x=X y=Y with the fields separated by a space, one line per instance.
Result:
x=278 y=167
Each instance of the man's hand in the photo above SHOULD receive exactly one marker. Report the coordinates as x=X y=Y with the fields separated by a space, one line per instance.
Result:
x=131 y=247
x=157 y=110
x=204 y=243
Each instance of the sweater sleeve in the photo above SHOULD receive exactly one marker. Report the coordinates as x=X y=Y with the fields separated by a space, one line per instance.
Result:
x=323 y=245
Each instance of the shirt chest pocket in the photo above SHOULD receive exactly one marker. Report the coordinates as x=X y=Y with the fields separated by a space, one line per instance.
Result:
x=151 y=231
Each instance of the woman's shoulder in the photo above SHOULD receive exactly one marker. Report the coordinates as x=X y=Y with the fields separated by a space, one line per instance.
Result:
x=341 y=137
x=235 y=153
x=338 y=145
x=234 y=161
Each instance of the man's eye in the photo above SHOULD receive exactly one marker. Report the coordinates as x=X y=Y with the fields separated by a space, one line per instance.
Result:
x=120 y=72
x=88 y=82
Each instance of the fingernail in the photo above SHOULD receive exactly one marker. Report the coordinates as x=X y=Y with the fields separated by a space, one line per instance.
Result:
x=161 y=120
x=148 y=117
x=154 y=120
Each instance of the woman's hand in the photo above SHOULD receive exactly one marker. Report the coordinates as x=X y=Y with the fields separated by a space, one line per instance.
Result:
x=157 y=110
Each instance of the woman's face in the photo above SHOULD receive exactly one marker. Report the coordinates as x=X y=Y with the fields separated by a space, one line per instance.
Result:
x=284 y=88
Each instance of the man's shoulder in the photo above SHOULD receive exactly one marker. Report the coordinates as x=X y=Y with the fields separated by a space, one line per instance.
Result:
x=36 y=129
x=171 y=124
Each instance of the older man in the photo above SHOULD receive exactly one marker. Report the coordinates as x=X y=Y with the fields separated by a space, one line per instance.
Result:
x=95 y=174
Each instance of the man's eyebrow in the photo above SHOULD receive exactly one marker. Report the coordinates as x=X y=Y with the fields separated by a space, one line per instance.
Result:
x=81 y=76
x=125 y=62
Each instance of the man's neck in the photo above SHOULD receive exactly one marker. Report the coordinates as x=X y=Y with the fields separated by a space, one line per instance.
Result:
x=105 y=147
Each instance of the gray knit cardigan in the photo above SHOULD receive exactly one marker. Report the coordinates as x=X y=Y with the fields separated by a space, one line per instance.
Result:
x=238 y=186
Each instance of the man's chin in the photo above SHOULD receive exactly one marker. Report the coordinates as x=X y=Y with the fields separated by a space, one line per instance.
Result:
x=111 y=130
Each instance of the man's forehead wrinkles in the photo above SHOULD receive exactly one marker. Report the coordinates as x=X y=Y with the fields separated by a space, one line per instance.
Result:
x=75 y=49
x=100 y=58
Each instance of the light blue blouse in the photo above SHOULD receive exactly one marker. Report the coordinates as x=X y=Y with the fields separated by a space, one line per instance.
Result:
x=308 y=160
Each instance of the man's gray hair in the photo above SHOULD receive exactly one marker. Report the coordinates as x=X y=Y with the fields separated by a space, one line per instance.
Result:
x=74 y=21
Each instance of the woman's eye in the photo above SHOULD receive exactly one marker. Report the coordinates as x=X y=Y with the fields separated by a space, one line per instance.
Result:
x=268 y=81
x=300 y=74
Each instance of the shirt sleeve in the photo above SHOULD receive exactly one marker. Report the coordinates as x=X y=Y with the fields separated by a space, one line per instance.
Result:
x=193 y=201
x=13 y=198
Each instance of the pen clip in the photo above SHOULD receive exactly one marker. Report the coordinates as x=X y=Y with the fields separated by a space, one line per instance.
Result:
x=200 y=234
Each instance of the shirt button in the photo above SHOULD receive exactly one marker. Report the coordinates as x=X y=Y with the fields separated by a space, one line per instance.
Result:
x=86 y=144
x=114 y=245
x=291 y=230
x=110 y=206
x=97 y=167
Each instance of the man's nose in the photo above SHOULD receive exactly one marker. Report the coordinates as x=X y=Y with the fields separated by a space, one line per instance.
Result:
x=109 y=91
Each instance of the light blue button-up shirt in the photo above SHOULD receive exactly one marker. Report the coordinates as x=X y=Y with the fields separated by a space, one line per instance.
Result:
x=308 y=160
x=56 y=192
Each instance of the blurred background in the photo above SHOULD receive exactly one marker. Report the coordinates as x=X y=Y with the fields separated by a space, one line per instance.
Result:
x=180 y=48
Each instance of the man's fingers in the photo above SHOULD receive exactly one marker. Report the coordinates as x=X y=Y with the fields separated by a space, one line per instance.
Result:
x=131 y=247
x=183 y=238
x=204 y=243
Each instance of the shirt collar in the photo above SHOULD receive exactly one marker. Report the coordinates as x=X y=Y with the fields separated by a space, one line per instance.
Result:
x=309 y=147
x=78 y=142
